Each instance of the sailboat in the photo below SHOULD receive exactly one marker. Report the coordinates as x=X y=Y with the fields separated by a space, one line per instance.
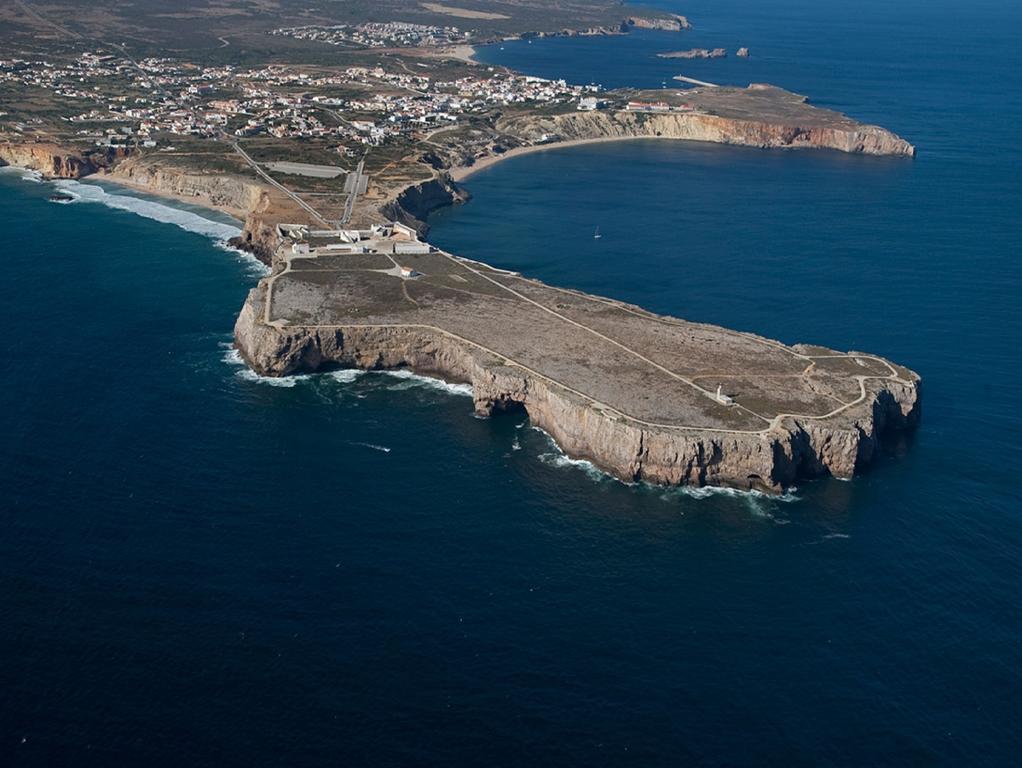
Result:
x=596 y=234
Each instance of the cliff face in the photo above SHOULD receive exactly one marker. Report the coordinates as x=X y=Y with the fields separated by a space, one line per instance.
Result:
x=218 y=190
x=52 y=160
x=244 y=198
x=414 y=204
x=695 y=126
x=771 y=460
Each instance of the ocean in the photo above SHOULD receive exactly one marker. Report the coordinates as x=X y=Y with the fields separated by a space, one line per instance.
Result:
x=199 y=566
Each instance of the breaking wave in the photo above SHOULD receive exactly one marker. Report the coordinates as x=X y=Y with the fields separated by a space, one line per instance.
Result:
x=26 y=174
x=166 y=214
x=707 y=491
x=253 y=265
x=558 y=459
x=233 y=357
x=346 y=375
x=248 y=374
x=416 y=380
x=755 y=499
x=187 y=220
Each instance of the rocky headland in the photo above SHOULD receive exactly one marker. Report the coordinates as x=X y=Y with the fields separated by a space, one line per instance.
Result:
x=611 y=383
x=55 y=161
x=630 y=391
x=757 y=116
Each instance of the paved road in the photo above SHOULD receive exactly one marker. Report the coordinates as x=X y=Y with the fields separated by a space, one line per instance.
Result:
x=256 y=167
x=349 y=204
x=771 y=423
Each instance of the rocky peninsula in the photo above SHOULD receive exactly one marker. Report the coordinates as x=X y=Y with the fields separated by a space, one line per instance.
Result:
x=644 y=397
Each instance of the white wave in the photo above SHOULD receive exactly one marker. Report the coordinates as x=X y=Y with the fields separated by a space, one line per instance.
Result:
x=231 y=355
x=274 y=381
x=415 y=380
x=346 y=376
x=516 y=444
x=706 y=491
x=252 y=264
x=25 y=174
x=561 y=460
x=187 y=220
x=558 y=458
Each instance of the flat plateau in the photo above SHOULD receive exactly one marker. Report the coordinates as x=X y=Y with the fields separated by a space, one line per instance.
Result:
x=643 y=396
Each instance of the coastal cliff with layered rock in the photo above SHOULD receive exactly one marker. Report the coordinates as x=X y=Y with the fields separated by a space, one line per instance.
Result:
x=55 y=161
x=246 y=199
x=808 y=131
x=771 y=460
x=227 y=192
x=670 y=22
x=414 y=203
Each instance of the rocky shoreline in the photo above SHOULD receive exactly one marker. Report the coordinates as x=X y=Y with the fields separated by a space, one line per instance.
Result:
x=770 y=460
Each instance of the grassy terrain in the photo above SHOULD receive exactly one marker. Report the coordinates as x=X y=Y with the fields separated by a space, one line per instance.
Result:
x=195 y=27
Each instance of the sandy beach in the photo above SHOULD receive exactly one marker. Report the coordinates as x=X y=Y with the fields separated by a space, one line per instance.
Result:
x=464 y=53
x=463 y=172
x=200 y=201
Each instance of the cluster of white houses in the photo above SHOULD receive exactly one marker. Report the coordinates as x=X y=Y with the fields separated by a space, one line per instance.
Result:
x=377 y=34
x=131 y=102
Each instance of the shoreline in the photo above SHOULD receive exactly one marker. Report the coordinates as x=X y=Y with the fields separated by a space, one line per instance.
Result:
x=237 y=215
x=465 y=53
x=462 y=172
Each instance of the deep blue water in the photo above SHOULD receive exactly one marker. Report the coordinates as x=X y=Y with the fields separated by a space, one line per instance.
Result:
x=200 y=568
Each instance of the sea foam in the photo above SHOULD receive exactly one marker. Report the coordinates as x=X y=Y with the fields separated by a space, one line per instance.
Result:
x=233 y=357
x=150 y=209
x=416 y=380
x=25 y=174
x=557 y=458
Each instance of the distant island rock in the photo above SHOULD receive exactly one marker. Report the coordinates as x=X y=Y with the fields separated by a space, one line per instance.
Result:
x=671 y=23
x=696 y=53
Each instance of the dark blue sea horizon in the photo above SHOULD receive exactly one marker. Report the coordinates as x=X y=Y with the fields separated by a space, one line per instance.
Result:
x=202 y=567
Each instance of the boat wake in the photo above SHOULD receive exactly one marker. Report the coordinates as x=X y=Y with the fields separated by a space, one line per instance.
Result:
x=373 y=446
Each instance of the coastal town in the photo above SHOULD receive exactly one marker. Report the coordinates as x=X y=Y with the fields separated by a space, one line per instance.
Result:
x=129 y=103
x=378 y=35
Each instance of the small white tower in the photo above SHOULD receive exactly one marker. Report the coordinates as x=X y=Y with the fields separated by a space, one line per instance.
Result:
x=722 y=398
